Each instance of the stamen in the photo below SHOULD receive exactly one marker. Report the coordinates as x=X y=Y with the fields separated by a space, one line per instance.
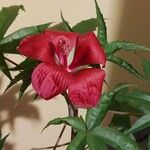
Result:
x=64 y=46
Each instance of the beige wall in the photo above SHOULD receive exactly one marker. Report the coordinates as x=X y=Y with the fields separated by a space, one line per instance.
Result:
x=26 y=119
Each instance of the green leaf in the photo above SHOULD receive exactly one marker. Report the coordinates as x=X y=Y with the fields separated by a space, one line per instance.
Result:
x=125 y=45
x=124 y=64
x=68 y=28
x=146 y=66
x=140 y=124
x=2 y=141
x=86 y=26
x=10 y=43
x=7 y=16
x=58 y=27
x=3 y=66
x=78 y=143
x=25 y=85
x=27 y=64
x=133 y=100
x=95 y=116
x=74 y=122
x=95 y=143
x=102 y=33
x=115 y=139
x=20 y=76
x=120 y=122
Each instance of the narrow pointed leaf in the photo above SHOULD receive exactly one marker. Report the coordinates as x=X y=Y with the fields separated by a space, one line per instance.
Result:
x=4 y=67
x=124 y=64
x=133 y=101
x=96 y=115
x=66 y=23
x=95 y=143
x=146 y=66
x=10 y=42
x=140 y=124
x=125 y=45
x=74 y=122
x=78 y=143
x=58 y=27
x=2 y=141
x=7 y=16
x=115 y=139
x=86 y=26
x=27 y=64
x=20 y=76
x=102 y=33
x=25 y=85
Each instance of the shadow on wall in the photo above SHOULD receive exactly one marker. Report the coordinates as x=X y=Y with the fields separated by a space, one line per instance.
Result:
x=13 y=109
x=135 y=27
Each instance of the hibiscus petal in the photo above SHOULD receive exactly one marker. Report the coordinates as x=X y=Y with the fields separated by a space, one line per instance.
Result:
x=37 y=47
x=88 y=51
x=85 y=89
x=50 y=80
x=64 y=43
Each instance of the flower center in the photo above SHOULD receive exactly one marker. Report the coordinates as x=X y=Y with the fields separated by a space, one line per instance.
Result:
x=63 y=45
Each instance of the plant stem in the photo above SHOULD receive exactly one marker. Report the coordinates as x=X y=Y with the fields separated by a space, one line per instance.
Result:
x=73 y=112
x=61 y=133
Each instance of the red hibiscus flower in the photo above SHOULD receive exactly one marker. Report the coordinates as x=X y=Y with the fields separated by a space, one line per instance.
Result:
x=54 y=74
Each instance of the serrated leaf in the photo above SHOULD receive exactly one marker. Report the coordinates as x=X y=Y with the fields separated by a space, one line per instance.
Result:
x=120 y=122
x=95 y=143
x=133 y=101
x=78 y=143
x=95 y=116
x=74 y=122
x=10 y=42
x=102 y=33
x=124 y=64
x=146 y=66
x=124 y=45
x=115 y=139
x=86 y=26
x=3 y=66
x=140 y=124
x=7 y=16
x=68 y=28
x=2 y=141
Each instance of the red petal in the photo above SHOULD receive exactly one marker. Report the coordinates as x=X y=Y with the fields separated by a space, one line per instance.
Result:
x=42 y=46
x=50 y=80
x=85 y=89
x=64 y=43
x=37 y=47
x=88 y=51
